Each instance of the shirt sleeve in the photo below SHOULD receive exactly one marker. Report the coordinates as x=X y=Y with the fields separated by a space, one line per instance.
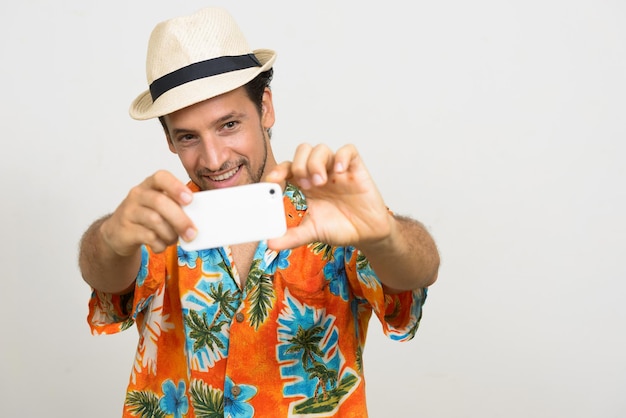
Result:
x=113 y=313
x=399 y=314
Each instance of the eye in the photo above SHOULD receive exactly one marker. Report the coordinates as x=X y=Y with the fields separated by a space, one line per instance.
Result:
x=231 y=125
x=186 y=138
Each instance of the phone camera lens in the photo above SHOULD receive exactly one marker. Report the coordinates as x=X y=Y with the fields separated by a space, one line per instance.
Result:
x=272 y=191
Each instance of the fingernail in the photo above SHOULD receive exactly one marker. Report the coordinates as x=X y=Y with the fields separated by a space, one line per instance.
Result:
x=305 y=184
x=339 y=168
x=317 y=179
x=190 y=234
x=186 y=197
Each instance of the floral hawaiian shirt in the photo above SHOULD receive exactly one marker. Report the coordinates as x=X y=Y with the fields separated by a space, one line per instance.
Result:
x=289 y=344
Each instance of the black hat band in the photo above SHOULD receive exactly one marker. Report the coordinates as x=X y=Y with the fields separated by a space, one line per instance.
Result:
x=202 y=69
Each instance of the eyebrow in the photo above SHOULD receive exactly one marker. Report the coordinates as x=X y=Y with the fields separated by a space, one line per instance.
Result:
x=176 y=132
x=229 y=116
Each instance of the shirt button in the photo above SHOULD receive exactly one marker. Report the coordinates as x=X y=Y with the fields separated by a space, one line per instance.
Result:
x=239 y=317
x=235 y=391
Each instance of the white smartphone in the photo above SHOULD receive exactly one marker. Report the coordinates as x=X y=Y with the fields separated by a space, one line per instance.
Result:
x=234 y=215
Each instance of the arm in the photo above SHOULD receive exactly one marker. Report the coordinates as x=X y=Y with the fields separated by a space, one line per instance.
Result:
x=151 y=214
x=346 y=208
x=101 y=267
x=407 y=259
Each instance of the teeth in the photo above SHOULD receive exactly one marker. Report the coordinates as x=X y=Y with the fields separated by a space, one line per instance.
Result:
x=226 y=175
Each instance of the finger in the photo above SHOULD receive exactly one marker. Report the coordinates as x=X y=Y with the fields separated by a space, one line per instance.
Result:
x=145 y=236
x=165 y=216
x=151 y=238
x=126 y=229
x=136 y=222
x=169 y=184
x=154 y=227
x=279 y=173
x=299 y=166
x=163 y=194
x=294 y=237
x=346 y=159
x=150 y=214
x=320 y=161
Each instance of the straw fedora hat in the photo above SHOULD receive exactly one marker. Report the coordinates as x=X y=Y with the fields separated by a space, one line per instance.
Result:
x=196 y=57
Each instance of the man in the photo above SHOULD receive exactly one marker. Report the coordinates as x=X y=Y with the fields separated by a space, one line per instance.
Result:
x=273 y=328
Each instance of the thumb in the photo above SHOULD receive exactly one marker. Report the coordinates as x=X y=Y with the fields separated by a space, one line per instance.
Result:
x=294 y=237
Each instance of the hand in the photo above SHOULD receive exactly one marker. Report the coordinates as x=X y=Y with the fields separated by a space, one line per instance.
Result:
x=151 y=214
x=344 y=205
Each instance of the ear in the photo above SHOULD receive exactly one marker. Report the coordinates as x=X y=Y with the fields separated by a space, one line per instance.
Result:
x=267 y=110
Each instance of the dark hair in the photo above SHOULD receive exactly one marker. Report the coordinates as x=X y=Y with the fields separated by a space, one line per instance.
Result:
x=256 y=87
x=254 y=90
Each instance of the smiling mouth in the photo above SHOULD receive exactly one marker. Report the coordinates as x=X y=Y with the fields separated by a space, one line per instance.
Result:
x=226 y=175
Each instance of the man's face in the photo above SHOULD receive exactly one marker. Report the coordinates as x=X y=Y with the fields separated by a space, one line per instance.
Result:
x=223 y=141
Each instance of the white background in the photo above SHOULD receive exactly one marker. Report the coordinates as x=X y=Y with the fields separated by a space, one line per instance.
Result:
x=499 y=124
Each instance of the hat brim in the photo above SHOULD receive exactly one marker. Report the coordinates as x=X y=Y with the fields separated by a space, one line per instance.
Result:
x=196 y=91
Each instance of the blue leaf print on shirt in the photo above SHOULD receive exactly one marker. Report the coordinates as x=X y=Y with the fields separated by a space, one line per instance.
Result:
x=211 y=259
x=295 y=318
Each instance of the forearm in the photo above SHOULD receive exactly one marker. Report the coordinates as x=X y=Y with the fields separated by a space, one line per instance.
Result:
x=407 y=259
x=101 y=267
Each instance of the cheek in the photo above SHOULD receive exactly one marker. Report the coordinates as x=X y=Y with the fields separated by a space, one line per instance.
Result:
x=188 y=159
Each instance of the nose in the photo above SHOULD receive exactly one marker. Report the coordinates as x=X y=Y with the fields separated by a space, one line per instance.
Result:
x=214 y=153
